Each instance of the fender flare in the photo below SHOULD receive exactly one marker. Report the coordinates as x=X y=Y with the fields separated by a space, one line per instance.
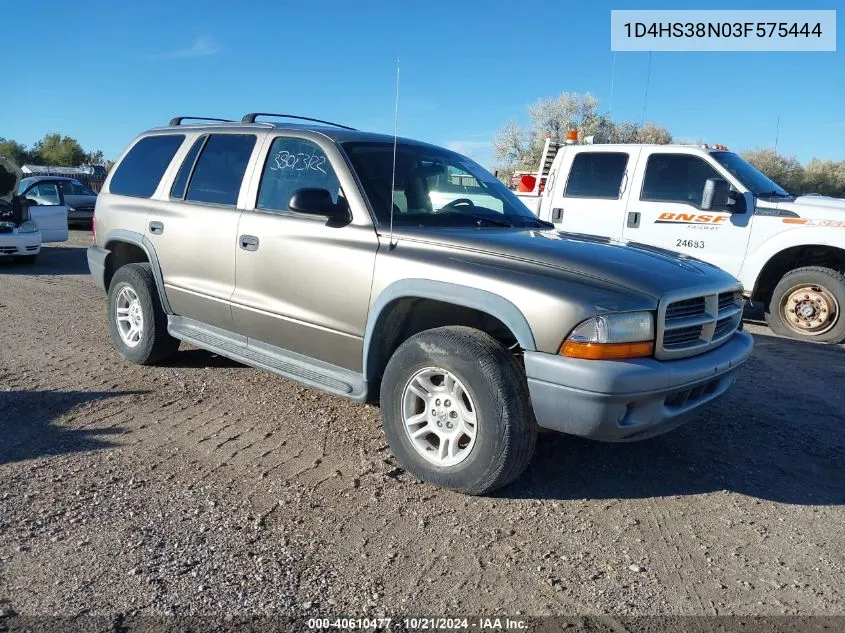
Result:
x=142 y=242
x=465 y=296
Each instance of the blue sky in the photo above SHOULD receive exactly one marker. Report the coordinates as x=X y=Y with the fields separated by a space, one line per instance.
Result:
x=103 y=72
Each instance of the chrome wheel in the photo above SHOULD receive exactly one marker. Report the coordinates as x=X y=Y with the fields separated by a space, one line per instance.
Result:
x=129 y=316
x=439 y=416
x=809 y=309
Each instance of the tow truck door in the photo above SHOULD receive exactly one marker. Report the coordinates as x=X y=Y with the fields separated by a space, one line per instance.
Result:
x=590 y=191
x=48 y=210
x=664 y=210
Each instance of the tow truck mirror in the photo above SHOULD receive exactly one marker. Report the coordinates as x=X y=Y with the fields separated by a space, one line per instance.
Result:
x=715 y=194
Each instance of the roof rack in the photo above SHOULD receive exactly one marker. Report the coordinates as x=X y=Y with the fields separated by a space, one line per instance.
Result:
x=250 y=118
x=178 y=120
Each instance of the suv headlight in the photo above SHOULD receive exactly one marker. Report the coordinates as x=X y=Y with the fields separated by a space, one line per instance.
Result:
x=612 y=336
x=29 y=226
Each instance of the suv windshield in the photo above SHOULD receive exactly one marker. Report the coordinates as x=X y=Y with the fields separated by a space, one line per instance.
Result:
x=756 y=181
x=434 y=187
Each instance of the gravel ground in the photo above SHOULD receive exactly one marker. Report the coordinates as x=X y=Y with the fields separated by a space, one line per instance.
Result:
x=204 y=487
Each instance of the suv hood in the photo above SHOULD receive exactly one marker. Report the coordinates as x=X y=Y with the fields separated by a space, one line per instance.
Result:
x=76 y=200
x=632 y=266
x=10 y=178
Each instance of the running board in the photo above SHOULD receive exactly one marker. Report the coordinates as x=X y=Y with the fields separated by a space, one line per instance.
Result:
x=310 y=372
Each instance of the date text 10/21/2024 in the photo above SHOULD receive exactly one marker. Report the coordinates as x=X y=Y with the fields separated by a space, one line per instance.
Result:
x=419 y=624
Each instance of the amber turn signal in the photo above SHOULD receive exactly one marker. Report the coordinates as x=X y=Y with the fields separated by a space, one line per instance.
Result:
x=606 y=351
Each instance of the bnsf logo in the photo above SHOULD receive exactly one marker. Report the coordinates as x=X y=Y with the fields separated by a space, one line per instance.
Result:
x=690 y=218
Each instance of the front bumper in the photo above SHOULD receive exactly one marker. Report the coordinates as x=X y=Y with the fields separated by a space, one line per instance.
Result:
x=16 y=244
x=617 y=401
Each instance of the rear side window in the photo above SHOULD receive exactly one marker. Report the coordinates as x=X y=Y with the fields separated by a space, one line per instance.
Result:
x=220 y=169
x=676 y=178
x=596 y=175
x=141 y=169
x=292 y=164
x=178 y=189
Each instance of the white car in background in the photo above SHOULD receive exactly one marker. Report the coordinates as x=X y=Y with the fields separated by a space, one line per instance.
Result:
x=27 y=222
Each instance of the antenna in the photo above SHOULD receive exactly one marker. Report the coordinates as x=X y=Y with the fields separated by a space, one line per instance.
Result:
x=777 y=134
x=395 y=135
x=647 y=82
x=612 y=76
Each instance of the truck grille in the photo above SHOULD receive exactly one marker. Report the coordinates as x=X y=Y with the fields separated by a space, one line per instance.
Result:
x=692 y=325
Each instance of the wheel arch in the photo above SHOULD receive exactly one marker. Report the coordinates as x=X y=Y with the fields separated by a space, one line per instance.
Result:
x=129 y=247
x=395 y=315
x=790 y=258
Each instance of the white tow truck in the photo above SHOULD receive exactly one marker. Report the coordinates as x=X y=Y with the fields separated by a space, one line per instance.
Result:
x=708 y=203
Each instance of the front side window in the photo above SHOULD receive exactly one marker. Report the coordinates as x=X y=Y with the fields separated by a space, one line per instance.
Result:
x=434 y=187
x=220 y=169
x=140 y=171
x=676 y=178
x=294 y=163
x=44 y=194
x=596 y=175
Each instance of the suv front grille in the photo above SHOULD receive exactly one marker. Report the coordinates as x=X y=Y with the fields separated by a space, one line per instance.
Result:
x=692 y=325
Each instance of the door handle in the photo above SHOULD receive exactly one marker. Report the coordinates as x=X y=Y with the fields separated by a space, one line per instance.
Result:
x=156 y=228
x=633 y=220
x=248 y=242
x=557 y=214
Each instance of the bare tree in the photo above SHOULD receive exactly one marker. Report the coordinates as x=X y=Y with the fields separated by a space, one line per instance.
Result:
x=516 y=147
x=784 y=170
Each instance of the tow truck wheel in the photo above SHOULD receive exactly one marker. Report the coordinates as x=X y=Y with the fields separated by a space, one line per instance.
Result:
x=808 y=305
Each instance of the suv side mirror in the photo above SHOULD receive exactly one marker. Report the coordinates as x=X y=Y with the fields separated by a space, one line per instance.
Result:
x=314 y=201
x=715 y=194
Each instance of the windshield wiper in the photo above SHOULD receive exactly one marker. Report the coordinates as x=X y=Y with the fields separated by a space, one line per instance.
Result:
x=775 y=194
x=478 y=217
x=537 y=223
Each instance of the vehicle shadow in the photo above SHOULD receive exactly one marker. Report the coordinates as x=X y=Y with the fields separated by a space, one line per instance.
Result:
x=52 y=260
x=27 y=422
x=777 y=435
x=199 y=359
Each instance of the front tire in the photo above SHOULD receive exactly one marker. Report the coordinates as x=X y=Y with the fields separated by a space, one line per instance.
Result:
x=456 y=411
x=808 y=304
x=25 y=259
x=137 y=322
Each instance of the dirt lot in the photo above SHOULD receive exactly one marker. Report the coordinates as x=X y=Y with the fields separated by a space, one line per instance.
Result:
x=206 y=487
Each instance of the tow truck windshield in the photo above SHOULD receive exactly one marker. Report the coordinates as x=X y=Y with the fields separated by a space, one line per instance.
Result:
x=435 y=187
x=756 y=181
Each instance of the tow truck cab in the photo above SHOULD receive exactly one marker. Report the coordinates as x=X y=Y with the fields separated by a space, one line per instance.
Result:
x=709 y=203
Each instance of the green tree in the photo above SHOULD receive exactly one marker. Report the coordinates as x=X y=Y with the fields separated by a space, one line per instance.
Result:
x=14 y=151
x=55 y=149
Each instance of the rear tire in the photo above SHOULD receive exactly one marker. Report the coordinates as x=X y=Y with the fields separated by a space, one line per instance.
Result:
x=137 y=322
x=482 y=382
x=808 y=305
